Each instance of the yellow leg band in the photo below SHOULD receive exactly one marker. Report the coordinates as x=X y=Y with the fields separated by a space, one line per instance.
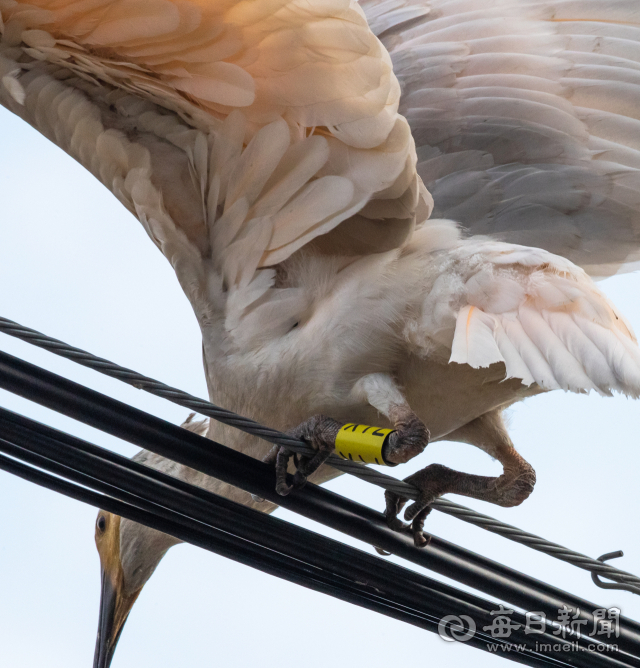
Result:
x=362 y=443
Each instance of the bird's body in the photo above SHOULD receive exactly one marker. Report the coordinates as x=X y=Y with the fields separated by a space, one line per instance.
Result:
x=483 y=305
x=260 y=146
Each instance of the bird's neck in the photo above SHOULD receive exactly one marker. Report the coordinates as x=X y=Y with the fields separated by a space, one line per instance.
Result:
x=199 y=479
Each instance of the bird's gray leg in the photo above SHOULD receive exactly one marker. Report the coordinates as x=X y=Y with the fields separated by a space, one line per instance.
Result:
x=408 y=440
x=509 y=489
x=411 y=436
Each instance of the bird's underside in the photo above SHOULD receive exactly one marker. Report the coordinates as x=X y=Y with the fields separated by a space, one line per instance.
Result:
x=263 y=146
x=295 y=220
x=485 y=324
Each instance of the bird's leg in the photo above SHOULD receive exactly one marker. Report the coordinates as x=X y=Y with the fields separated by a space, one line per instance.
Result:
x=411 y=436
x=509 y=489
x=408 y=440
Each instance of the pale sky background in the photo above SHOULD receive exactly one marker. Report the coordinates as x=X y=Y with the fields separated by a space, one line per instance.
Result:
x=75 y=265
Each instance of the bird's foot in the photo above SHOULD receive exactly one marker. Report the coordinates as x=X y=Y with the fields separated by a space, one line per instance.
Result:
x=320 y=432
x=515 y=485
x=432 y=482
x=507 y=490
x=409 y=439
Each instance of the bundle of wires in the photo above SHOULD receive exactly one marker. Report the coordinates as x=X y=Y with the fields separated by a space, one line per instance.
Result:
x=97 y=476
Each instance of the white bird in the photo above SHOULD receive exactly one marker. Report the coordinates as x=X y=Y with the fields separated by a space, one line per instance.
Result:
x=260 y=145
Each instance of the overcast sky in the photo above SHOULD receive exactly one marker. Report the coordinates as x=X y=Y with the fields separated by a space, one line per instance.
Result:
x=75 y=265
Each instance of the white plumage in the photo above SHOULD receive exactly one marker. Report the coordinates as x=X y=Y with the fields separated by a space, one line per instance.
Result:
x=525 y=116
x=539 y=315
x=260 y=145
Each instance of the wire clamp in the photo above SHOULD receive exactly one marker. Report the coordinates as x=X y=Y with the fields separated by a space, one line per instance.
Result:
x=605 y=585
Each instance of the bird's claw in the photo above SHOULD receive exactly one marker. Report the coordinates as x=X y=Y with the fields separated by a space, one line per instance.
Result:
x=431 y=483
x=409 y=439
x=415 y=527
x=300 y=478
x=282 y=461
x=320 y=432
x=305 y=466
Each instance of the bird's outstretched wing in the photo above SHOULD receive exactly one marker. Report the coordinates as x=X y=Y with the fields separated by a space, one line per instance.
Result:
x=237 y=131
x=526 y=116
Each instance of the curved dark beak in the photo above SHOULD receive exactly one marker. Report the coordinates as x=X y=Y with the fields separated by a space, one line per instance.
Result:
x=113 y=614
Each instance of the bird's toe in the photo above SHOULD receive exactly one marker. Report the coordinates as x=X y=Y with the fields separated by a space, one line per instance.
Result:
x=318 y=431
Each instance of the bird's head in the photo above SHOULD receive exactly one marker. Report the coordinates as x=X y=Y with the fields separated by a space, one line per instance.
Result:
x=129 y=553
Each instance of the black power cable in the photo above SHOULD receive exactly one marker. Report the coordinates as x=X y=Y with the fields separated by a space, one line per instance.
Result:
x=597 y=567
x=233 y=467
x=264 y=542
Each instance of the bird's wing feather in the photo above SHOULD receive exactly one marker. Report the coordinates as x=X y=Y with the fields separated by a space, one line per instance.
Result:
x=526 y=118
x=237 y=131
x=535 y=312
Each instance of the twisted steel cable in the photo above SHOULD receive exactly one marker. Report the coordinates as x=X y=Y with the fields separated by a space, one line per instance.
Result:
x=626 y=581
